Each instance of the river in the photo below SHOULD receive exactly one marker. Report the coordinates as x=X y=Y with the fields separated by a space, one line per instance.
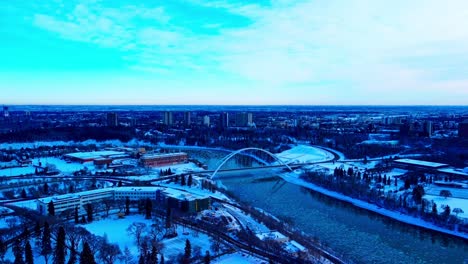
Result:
x=360 y=235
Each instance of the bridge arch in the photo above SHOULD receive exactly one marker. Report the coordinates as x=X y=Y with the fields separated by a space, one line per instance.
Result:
x=231 y=155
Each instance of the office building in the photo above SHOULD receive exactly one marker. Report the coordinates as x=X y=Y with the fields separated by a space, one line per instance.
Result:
x=224 y=120
x=112 y=120
x=168 y=118
x=206 y=120
x=244 y=119
x=187 y=119
x=428 y=128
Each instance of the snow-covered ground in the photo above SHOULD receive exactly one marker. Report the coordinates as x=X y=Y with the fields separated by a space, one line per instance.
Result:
x=238 y=258
x=116 y=231
x=304 y=154
x=452 y=202
x=294 y=178
x=62 y=165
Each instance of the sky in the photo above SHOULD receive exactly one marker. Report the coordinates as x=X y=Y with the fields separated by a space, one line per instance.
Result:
x=233 y=52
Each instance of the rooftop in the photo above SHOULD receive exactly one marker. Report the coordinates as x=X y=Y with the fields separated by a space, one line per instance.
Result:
x=421 y=163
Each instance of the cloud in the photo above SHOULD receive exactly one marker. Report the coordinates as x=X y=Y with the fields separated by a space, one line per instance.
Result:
x=359 y=46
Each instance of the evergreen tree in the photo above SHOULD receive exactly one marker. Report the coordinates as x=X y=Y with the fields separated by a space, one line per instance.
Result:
x=190 y=180
x=89 y=212
x=45 y=189
x=176 y=179
x=77 y=219
x=207 y=258
x=153 y=257
x=182 y=180
x=162 y=259
x=434 y=209
x=28 y=254
x=119 y=184
x=46 y=245
x=187 y=252
x=148 y=208
x=51 y=208
x=141 y=259
x=86 y=256
x=127 y=205
x=60 y=247
x=18 y=252
x=23 y=194
x=3 y=248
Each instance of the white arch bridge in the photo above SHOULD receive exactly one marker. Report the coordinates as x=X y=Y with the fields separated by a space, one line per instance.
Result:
x=242 y=152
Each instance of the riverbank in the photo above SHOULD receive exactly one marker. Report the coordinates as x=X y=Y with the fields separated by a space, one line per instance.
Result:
x=294 y=179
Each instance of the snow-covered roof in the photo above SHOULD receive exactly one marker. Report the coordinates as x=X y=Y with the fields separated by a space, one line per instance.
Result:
x=94 y=154
x=421 y=163
x=152 y=156
x=454 y=171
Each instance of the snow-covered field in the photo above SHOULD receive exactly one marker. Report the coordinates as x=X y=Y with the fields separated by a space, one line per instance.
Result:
x=304 y=154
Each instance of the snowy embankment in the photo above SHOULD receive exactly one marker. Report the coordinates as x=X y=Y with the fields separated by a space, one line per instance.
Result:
x=304 y=154
x=294 y=178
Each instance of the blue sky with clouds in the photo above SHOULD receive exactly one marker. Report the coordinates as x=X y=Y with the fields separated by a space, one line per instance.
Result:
x=234 y=52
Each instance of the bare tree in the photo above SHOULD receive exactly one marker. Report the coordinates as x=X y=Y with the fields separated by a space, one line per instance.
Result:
x=108 y=252
x=137 y=229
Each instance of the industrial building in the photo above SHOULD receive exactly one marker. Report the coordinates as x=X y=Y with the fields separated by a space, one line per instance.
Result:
x=157 y=160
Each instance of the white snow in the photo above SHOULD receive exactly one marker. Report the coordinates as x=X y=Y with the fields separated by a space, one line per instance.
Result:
x=304 y=154
x=116 y=231
x=17 y=171
x=450 y=201
x=421 y=163
x=62 y=165
x=237 y=258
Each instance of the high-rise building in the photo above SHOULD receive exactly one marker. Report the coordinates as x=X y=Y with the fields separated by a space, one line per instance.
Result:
x=428 y=128
x=187 y=119
x=244 y=119
x=224 y=120
x=6 y=114
x=112 y=119
x=168 y=118
x=206 y=120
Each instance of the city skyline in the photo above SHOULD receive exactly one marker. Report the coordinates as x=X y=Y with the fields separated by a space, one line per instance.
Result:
x=234 y=53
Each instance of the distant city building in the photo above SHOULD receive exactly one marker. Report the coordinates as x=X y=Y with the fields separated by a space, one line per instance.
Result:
x=206 y=120
x=156 y=160
x=428 y=128
x=463 y=129
x=133 y=122
x=112 y=120
x=6 y=114
x=224 y=120
x=187 y=119
x=168 y=118
x=244 y=119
